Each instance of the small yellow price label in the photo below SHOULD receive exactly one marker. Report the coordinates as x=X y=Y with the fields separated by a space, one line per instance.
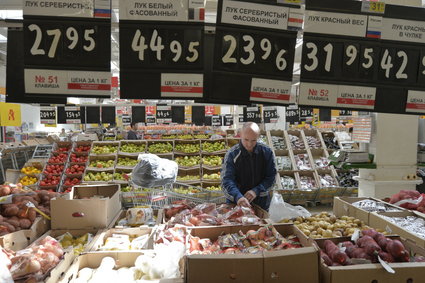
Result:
x=377 y=7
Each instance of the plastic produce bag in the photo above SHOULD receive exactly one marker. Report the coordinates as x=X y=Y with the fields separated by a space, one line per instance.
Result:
x=280 y=210
x=153 y=171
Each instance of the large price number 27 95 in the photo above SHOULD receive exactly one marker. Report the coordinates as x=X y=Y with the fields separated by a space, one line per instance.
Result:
x=265 y=45
x=139 y=45
x=71 y=34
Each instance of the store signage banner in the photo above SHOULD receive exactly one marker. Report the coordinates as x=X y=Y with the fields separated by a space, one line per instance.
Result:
x=56 y=52
x=362 y=61
x=270 y=90
x=415 y=101
x=257 y=15
x=10 y=114
x=73 y=115
x=47 y=115
x=270 y=114
x=182 y=85
x=335 y=23
x=67 y=82
x=154 y=10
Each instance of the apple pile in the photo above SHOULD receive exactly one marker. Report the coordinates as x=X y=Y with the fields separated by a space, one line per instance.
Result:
x=50 y=180
x=55 y=169
x=82 y=148
x=78 y=159
x=75 y=169
x=63 y=149
x=60 y=158
x=69 y=182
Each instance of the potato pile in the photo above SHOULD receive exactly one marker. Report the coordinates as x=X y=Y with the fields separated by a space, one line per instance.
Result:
x=17 y=215
x=324 y=225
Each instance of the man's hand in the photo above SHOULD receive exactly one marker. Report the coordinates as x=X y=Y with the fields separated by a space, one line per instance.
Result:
x=250 y=195
x=243 y=202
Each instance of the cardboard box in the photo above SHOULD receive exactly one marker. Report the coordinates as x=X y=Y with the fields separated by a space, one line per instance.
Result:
x=93 y=260
x=272 y=266
x=101 y=236
x=21 y=239
x=371 y=273
x=90 y=213
x=343 y=206
x=377 y=222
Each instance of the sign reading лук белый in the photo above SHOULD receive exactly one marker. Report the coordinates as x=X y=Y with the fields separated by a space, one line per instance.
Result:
x=154 y=10
x=69 y=55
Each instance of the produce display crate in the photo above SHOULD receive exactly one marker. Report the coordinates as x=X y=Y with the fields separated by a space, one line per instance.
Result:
x=320 y=159
x=216 y=195
x=179 y=143
x=279 y=134
x=101 y=158
x=154 y=197
x=187 y=156
x=300 y=142
x=220 y=151
x=201 y=196
x=302 y=155
x=209 y=172
x=105 y=143
x=123 y=156
x=151 y=142
x=109 y=171
x=56 y=154
x=332 y=143
x=61 y=144
x=76 y=144
x=139 y=143
x=233 y=141
x=78 y=155
x=40 y=166
x=264 y=138
x=287 y=192
x=50 y=187
x=289 y=157
x=303 y=195
x=313 y=133
x=65 y=188
x=122 y=171
x=329 y=172
x=189 y=172
x=211 y=167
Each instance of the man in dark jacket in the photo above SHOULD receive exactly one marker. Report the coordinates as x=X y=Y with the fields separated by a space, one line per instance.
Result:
x=249 y=170
x=131 y=135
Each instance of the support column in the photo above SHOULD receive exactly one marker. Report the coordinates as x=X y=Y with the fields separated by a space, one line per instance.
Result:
x=394 y=144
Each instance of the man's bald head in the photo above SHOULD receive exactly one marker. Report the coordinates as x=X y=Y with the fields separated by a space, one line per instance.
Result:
x=249 y=135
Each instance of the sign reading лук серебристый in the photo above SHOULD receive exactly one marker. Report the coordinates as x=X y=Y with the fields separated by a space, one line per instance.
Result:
x=253 y=43
x=67 y=47
x=362 y=60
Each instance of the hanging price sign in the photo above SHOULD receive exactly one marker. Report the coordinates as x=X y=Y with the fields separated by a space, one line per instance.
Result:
x=254 y=51
x=47 y=115
x=292 y=115
x=73 y=115
x=228 y=120
x=71 y=56
x=216 y=120
x=163 y=114
x=126 y=119
x=270 y=114
x=252 y=114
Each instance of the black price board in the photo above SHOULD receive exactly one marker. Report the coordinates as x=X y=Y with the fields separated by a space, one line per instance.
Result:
x=72 y=114
x=352 y=51
x=138 y=114
x=325 y=114
x=161 y=50
x=108 y=114
x=241 y=118
x=292 y=115
x=93 y=114
x=270 y=114
x=163 y=114
x=306 y=112
x=217 y=120
x=126 y=119
x=15 y=72
x=208 y=120
x=67 y=50
x=254 y=52
x=47 y=115
x=228 y=120
x=198 y=115
x=252 y=114
x=177 y=113
x=150 y=120
x=345 y=113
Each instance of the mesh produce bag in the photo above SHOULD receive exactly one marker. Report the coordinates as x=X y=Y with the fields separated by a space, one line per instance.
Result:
x=153 y=171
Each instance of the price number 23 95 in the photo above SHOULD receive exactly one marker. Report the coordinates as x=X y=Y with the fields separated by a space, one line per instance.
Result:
x=265 y=46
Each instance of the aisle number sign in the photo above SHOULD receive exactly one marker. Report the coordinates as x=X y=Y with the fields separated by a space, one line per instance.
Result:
x=10 y=114
x=71 y=56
